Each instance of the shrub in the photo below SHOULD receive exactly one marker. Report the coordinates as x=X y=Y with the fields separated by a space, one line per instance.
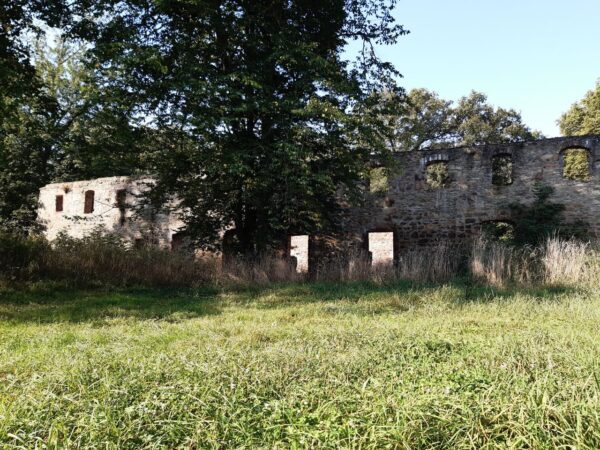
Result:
x=20 y=255
x=106 y=258
x=535 y=222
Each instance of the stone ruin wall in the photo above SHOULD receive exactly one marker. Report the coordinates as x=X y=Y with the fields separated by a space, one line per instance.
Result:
x=114 y=214
x=415 y=213
x=419 y=215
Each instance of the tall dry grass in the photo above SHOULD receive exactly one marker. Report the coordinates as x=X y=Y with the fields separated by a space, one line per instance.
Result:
x=556 y=261
x=102 y=258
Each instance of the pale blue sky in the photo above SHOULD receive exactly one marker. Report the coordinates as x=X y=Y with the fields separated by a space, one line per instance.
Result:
x=536 y=56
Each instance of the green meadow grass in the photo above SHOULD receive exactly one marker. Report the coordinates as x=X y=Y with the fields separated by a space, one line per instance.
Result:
x=354 y=365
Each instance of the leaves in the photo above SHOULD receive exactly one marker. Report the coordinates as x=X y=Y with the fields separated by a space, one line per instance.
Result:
x=424 y=120
x=256 y=117
x=584 y=116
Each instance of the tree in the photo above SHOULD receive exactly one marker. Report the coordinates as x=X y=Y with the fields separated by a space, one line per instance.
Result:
x=64 y=129
x=93 y=133
x=423 y=120
x=260 y=120
x=25 y=152
x=18 y=19
x=427 y=121
x=477 y=122
x=24 y=110
x=584 y=116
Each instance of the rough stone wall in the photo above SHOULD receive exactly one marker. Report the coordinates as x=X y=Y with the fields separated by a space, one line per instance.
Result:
x=419 y=214
x=108 y=213
x=416 y=213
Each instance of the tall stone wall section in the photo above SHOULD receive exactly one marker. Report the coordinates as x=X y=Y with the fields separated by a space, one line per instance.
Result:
x=419 y=214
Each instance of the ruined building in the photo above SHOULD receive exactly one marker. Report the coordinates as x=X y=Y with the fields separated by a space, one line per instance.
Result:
x=437 y=194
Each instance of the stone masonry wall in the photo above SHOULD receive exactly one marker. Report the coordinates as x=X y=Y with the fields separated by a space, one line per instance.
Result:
x=419 y=214
x=416 y=213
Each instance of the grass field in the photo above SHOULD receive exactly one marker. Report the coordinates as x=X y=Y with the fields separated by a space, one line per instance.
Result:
x=300 y=366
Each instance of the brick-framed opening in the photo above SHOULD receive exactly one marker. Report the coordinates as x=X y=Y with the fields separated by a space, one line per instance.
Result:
x=437 y=173
x=59 y=203
x=180 y=242
x=88 y=206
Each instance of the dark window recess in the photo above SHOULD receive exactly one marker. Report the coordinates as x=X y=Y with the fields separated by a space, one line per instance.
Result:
x=502 y=168
x=499 y=230
x=176 y=242
x=122 y=205
x=88 y=206
x=59 y=203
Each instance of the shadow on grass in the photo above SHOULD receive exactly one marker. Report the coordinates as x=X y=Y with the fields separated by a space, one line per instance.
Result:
x=47 y=303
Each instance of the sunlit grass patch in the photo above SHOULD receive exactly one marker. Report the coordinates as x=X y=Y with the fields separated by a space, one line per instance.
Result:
x=288 y=365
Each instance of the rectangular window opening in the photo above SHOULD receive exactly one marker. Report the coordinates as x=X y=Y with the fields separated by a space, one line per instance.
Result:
x=381 y=248
x=378 y=181
x=502 y=168
x=122 y=205
x=59 y=203
x=299 y=252
x=88 y=206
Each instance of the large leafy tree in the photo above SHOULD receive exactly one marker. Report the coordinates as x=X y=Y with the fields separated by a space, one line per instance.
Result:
x=93 y=133
x=424 y=120
x=260 y=121
x=18 y=20
x=584 y=116
x=62 y=127
x=24 y=109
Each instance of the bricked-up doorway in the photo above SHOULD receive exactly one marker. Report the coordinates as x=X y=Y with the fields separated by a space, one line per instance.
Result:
x=381 y=248
x=299 y=251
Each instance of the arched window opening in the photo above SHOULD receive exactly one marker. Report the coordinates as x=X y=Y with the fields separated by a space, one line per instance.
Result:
x=381 y=248
x=88 y=206
x=576 y=164
x=299 y=252
x=437 y=174
x=502 y=169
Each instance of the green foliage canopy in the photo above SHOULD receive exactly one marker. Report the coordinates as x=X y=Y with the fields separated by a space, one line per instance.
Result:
x=261 y=122
x=426 y=121
x=584 y=116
